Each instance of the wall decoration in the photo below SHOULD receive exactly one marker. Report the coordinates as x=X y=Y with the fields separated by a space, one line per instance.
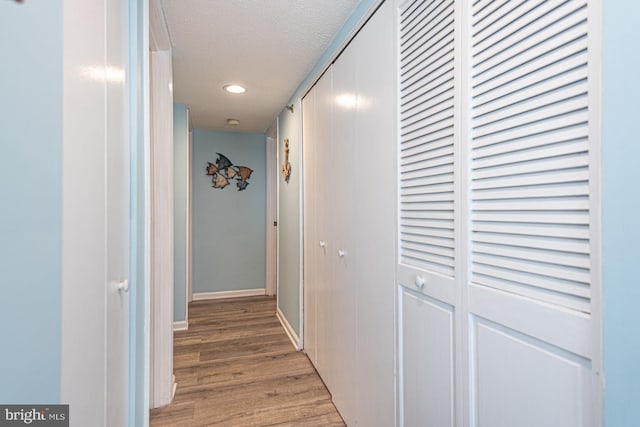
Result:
x=223 y=171
x=286 y=166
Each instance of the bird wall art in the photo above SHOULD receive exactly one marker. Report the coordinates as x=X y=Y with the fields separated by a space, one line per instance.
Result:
x=224 y=171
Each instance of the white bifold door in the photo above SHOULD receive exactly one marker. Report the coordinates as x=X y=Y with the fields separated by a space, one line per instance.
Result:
x=349 y=187
x=498 y=254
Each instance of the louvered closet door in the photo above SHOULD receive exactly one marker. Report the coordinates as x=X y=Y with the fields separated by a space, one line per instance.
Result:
x=428 y=257
x=532 y=281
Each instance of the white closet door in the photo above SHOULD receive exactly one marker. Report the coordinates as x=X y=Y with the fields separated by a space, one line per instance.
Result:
x=429 y=250
x=342 y=168
x=375 y=227
x=532 y=226
x=323 y=151
x=311 y=241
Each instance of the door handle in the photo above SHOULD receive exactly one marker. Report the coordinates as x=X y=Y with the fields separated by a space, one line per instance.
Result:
x=323 y=244
x=341 y=253
x=123 y=286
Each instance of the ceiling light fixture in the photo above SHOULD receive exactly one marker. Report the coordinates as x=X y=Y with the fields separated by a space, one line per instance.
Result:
x=233 y=122
x=233 y=88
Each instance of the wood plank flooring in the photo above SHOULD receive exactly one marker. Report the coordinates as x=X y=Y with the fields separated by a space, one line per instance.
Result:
x=236 y=367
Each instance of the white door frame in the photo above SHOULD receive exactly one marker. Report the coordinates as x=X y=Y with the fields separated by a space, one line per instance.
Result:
x=162 y=386
x=271 y=145
x=189 y=223
x=95 y=250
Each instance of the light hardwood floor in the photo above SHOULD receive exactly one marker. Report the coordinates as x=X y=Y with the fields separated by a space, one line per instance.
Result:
x=236 y=367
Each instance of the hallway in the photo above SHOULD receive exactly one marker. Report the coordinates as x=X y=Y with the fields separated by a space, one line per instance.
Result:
x=235 y=366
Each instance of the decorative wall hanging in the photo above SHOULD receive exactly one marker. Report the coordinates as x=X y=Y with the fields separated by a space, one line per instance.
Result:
x=223 y=171
x=286 y=166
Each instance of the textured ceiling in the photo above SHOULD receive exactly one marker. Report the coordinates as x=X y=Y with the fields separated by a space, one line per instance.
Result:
x=269 y=46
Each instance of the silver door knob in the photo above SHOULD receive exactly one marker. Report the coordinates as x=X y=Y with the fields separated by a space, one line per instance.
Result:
x=123 y=286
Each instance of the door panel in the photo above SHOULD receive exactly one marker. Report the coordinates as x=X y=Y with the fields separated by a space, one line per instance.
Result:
x=311 y=241
x=531 y=228
x=343 y=216
x=429 y=251
x=426 y=360
x=549 y=391
x=375 y=338
x=117 y=125
x=324 y=114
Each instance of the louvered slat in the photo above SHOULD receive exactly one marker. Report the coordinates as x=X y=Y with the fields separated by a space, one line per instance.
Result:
x=506 y=43
x=438 y=242
x=425 y=47
x=426 y=102
x=530 y=220
x=546 y=243
x=427 y=136
x=533 y=179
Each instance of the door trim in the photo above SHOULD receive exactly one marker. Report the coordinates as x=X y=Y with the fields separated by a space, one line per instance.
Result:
x=271 y=147
x=161 y=102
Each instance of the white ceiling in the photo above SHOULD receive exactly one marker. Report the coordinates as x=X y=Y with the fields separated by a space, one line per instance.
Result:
x=269 y=46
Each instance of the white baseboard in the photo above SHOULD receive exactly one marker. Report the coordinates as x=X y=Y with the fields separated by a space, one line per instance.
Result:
x=227 y=294
x=180 y=325
x=175 y=387
x=288 y=329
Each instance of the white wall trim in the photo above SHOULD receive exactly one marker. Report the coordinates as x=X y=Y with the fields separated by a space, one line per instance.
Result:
x=158 y=33
x=180 y=325
x=278 y=135
x=300 y=229
x=288 y=329
x=162 y=258
x=187 y=242
x=200 y=296
x=594 y=72
x=175 y=387
x=189 y=222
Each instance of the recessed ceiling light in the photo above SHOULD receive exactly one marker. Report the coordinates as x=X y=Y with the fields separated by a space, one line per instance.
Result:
x=233 y=122
x=233 y=88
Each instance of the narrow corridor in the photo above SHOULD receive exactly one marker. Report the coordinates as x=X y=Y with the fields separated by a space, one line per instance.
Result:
x=236 y=367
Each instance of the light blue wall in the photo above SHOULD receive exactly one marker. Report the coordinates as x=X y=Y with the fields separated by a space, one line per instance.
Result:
x=621 y=211
x=290 y=204
x=180 y=197
x=31 y=214
x=228 y=225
